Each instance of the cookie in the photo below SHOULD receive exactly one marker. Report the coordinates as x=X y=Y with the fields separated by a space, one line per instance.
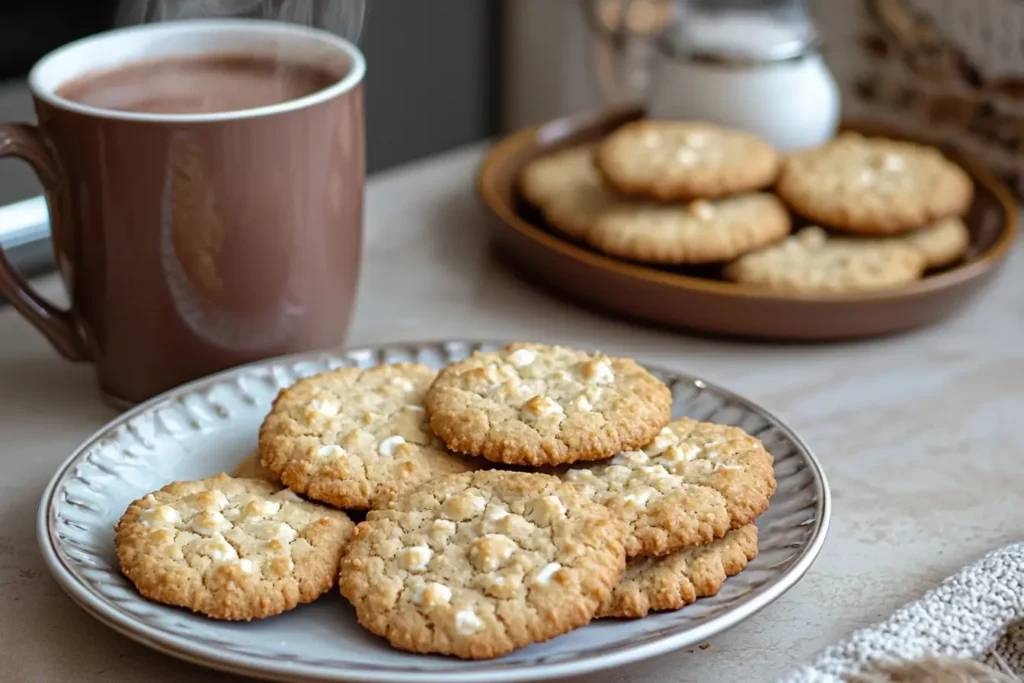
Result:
x=701 y=231
x=479 y=564
x=558 y=173
x=532 y=404
x=942 y=244
x=812 y=261
x=691 y=485
x=252 y=468
x=235 y=549
x=567 y=189
x=680 y=160
x=652 y=584
x=349 y=436
x=874 y=186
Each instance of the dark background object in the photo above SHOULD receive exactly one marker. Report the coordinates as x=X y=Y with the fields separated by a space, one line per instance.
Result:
x=432 y=77
x=28 y=31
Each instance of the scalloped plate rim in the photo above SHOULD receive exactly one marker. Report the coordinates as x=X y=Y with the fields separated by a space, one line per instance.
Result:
x=209 y=656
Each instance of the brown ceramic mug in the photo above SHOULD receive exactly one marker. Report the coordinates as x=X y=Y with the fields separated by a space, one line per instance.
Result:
x=194 y=242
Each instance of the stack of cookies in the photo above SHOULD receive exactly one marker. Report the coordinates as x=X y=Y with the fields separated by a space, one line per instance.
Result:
x=678 y=194
x=664 y=192
x=513 y=497
x=893 y=212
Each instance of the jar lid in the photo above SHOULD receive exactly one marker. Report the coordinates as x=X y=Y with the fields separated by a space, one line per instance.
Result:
x=738 y=32
x=621 y=18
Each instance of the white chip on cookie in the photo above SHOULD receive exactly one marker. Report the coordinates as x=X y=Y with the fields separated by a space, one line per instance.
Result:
x=330 y=451
x=432 y=594
x=522 y=357
x=467 y=623
x=323 y=408
x=387 y=446
x=490 y=551
x=416 y=558
x=160 y=515
x=546 y=573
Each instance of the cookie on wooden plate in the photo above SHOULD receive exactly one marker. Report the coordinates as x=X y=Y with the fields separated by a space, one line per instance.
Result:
x=813 y=261
x=653 y=584
x=942 y=243
x=479 y=564
x=691 y=485
x=251 y=468
x=700 y=231
x=874 y=186
x=557 y=173
x=533 y=404
x=235 y=549
x=681 y=160
x=567 y=189
x=350 y=436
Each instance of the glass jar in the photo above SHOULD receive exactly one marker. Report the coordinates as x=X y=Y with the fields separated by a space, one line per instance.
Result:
x=750 y=64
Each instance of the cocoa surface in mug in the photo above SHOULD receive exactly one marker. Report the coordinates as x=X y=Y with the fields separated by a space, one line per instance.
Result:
x=198 y=85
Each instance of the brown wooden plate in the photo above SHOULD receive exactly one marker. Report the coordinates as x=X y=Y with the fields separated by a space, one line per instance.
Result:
x=697 y=298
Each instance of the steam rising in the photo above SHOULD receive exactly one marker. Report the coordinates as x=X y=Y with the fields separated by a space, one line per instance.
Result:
x=341 y=17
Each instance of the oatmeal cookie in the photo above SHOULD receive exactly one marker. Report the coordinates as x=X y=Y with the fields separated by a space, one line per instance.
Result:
x=532 y=404
x=942 y=243
x=567 y=189
x=814 y=261
x=235 y=549
x=874 y=186
x=652 y=584
x=691 y=485
x=701 y=231
x=479 y=564
x=682 y=160
x=348 y=436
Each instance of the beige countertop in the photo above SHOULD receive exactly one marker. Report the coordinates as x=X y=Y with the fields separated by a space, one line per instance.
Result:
x=919 y=435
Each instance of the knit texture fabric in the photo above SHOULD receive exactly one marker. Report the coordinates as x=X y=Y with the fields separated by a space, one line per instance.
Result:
x=978 y=613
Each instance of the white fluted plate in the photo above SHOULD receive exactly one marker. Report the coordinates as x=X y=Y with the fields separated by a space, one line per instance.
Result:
x=210 y=425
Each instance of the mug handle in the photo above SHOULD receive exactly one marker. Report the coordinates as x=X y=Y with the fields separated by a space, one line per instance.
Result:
x=60 y=327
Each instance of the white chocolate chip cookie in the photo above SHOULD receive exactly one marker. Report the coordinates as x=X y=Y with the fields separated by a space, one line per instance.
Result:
x=682 y=160
x=815 y=261
x=531 y=404
x=699 y=232
x=694 y=482
x=252 y=468
x=567 y=189
x=942 y=243
x=234 y=549
x=652 y=584
x=350 y=436
x=479 y=564
x=874 y=186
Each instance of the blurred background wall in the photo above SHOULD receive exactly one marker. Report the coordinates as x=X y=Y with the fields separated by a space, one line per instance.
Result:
x=444 y=73
x=433 y=80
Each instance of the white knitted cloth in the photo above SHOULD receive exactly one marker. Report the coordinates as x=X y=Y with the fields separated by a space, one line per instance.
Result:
x=973 y=614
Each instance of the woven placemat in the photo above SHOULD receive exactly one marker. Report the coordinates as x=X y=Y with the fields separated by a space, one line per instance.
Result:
x=978 y=614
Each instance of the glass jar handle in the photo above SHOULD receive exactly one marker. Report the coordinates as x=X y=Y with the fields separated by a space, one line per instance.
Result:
x=624 y=61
